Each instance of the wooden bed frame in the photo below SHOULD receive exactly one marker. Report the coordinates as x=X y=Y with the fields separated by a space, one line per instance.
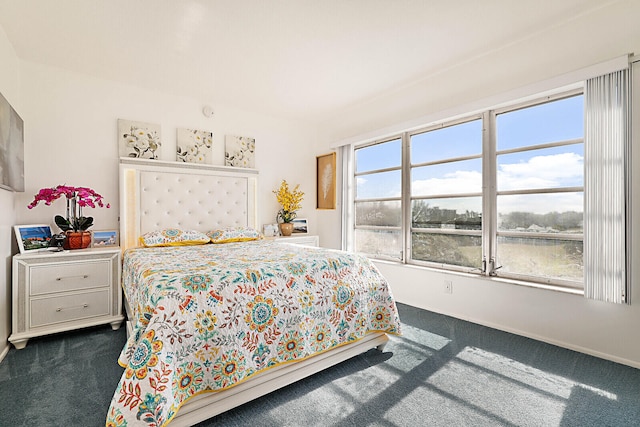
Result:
x=156 y=194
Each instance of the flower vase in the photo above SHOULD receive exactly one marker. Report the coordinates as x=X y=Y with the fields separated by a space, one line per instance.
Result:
x=77 y=240
x=286 y=228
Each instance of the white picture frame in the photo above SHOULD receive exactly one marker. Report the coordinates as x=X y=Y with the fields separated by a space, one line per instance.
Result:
x=300 y=226
x=104 y=238
x=270 y=230
x=33 y=237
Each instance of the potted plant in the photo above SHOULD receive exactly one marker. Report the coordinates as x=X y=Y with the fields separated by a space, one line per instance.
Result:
x=75 y=225
x=290 y=201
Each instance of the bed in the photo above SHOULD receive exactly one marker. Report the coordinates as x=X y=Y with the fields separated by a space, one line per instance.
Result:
x=214 y=325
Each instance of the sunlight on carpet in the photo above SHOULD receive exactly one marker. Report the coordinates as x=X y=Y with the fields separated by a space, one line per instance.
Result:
x=489 y=388
x=526 y=375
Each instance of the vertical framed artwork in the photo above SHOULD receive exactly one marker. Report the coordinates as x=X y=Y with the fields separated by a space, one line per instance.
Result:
x=11 y=147
x=138 y=139
x=239 y=151
x=194 y=146
x=326 y=181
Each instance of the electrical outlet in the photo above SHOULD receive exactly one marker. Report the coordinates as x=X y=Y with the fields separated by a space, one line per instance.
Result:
x=448 y=287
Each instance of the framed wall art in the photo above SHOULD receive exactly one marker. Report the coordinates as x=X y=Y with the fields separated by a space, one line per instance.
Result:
x=194 y=146
x=11 y=147
x=138 y=139
x=326 y=181
x=239 y=151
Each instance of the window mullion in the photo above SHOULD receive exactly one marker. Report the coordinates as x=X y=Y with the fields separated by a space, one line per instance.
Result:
x=489 y=187
x=406 y=198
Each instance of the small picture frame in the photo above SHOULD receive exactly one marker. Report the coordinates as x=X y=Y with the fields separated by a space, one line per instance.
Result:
x=270 y=230
x=104 y=238
x=33 y=238
x=300 y=225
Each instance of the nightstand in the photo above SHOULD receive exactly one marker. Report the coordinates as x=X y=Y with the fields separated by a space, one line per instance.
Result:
x=60 y=291
x=300 y=239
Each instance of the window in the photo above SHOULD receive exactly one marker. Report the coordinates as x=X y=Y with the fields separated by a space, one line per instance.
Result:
x=539 y=198
x=446 y=194
x=498 y=193
x=378 y=196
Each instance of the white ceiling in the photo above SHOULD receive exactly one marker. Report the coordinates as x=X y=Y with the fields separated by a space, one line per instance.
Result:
x=297 y=59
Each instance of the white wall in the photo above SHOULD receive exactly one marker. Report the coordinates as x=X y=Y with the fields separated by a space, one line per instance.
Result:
x=588 y=39
x=605 y=330
x=72 y=139
x=10 y=89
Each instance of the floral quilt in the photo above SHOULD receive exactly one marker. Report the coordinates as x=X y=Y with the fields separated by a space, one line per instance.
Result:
x=209 y=317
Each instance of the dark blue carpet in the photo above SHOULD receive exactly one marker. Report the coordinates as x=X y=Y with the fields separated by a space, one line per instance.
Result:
x=441 y=372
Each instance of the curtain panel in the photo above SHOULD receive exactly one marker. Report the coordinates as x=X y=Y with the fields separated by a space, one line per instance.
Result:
x=606 y=180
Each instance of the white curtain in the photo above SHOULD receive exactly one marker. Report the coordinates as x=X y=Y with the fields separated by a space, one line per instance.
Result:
x=346 y=158
x=607 y=159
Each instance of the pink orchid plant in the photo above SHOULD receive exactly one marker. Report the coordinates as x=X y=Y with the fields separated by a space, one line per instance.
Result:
x=77 y=198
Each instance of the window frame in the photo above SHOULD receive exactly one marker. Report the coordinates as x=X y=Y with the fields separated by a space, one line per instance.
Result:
x=409 y=198
x=355 y=200
x=495 y=234
x=489 y=232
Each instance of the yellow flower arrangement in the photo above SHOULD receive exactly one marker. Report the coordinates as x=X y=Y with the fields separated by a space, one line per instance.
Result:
x=290 y=201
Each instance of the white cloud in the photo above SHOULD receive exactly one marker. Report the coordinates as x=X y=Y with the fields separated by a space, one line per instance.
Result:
x=553 y=171
x=452 y=183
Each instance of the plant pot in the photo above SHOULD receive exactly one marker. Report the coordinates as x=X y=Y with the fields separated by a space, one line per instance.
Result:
x=77 y=240
x=286 y=228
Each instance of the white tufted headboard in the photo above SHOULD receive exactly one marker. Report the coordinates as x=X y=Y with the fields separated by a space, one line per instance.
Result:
x=156 y=194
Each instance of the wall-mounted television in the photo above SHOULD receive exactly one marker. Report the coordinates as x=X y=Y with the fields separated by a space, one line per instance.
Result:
x=11 y=147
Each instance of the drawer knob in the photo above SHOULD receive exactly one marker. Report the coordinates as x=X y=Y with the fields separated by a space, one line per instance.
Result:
x=83 y=276
x=85 y=305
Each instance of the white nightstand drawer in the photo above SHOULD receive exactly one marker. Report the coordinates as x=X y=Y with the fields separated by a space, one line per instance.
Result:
x=304 y=239
x=65 y=308
x=46 y=279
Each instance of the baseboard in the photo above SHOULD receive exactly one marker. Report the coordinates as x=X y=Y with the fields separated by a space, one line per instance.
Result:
x=568 y=346
x=562 y=344
x=4 y=351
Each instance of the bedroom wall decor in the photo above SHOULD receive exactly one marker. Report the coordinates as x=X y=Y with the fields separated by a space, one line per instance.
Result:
x=11 y=147
x=326 y=181
x=194 y=146
x=138 y=139
x=239 y=151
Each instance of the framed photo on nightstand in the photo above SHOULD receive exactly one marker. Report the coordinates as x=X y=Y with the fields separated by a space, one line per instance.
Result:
x=300 y=225
x=104 y=238
x=33 y=238
x=270 y=230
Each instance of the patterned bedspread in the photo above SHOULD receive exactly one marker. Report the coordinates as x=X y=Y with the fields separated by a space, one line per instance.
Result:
x=208 y=317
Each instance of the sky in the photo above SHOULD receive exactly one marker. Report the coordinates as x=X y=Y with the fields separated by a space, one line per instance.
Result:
x=541 y=168
x=35 y=231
